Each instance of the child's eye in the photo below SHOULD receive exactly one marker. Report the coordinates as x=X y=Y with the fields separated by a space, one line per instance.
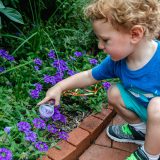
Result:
x=106 y=40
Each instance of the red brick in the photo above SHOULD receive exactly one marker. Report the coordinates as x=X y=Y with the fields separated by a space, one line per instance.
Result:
x=67 y=152
x=103 y=114
x=44 y=158
x=106 y=115
x=96 y=152
x=80 y=139
x=93 y=125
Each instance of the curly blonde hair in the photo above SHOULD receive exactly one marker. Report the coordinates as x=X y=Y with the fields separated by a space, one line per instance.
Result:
x=127 y=13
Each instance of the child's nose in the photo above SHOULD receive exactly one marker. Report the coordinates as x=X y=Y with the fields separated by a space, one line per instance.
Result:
x=100 y=45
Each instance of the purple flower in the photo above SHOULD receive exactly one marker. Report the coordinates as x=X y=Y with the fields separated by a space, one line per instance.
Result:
x=2 y=69
x=56 y=116
x=106 y=85
x=78 y=54
x=30 y=136
x=34 y=94
x=39 y=123
x=93 y=61
x=49 y=79
x=51 y=54
x=5 y=154
x=70 y=72
x=63 y=135
x=36 y=68
x=38 y=61
x=38 y=86
x=60 y=64
x=52 y=128
x=63 y=119
x=7 y=129
x=23 y=126
x=58 y=76
x=4 y=54
x=41 y=146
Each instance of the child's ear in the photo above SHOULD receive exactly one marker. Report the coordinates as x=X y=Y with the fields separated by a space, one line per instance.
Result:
x=137 y=33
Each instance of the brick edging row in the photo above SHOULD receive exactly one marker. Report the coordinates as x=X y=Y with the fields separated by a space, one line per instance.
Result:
x=81 y=137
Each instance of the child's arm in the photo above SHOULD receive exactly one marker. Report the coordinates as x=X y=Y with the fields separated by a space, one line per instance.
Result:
x=79 y=80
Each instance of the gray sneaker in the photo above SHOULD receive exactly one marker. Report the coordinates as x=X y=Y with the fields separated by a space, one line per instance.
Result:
x=125 y=133
x=139 y=154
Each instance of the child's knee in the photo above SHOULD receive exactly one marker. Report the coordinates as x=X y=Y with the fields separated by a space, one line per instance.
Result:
x=154 y=108
x=114 y=95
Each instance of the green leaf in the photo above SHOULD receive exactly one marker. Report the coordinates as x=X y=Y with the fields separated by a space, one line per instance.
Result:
x=12 y=14
x=58 y=147
x=1 y=5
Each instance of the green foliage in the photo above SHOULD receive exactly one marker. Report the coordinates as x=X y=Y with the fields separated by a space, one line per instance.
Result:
x=64 y=30
x=11 y=13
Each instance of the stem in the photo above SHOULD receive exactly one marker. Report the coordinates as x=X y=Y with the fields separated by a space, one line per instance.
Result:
x=19 y=66
x=24 y=43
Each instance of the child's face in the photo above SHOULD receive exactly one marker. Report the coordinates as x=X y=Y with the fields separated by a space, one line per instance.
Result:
x=115 y=43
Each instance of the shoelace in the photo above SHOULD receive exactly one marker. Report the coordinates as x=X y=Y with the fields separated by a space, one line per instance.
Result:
x=126 y=129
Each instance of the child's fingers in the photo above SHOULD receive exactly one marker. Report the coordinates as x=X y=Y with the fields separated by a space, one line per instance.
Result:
x=57 y=100
x=46 y=99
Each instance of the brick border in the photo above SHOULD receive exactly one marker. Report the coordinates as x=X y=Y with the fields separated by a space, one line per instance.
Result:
x=81 y=137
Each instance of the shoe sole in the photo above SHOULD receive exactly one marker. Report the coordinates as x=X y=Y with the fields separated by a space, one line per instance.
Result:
x=123 y=140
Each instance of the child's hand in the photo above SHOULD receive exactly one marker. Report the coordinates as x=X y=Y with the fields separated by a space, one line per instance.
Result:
x=54 y=93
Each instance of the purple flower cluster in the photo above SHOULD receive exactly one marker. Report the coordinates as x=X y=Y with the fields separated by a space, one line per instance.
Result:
x=30 y=136
x=78 y=54
x=35 y=92
x=52 y=128
x=5 y=154
x=106 y=85
x=41 y=146
x=4 y=54
x=70 y=72
x=57 y=116
x=93 y=61
x=38 y=63
x=63 y=135
x=24 y=126
x=51 y=54
x=60 y=65
x=39 y=123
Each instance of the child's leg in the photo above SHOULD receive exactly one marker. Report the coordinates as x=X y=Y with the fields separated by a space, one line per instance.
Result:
x=114 y=98
x=152 y=140
x=134 y=132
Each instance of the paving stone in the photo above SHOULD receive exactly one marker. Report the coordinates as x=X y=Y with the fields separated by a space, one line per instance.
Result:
x=130 y=147
x=118 y=120
x=80 y=139
x=93 y=125
x=96 y=152
x=67 y=152
x=103 y=140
